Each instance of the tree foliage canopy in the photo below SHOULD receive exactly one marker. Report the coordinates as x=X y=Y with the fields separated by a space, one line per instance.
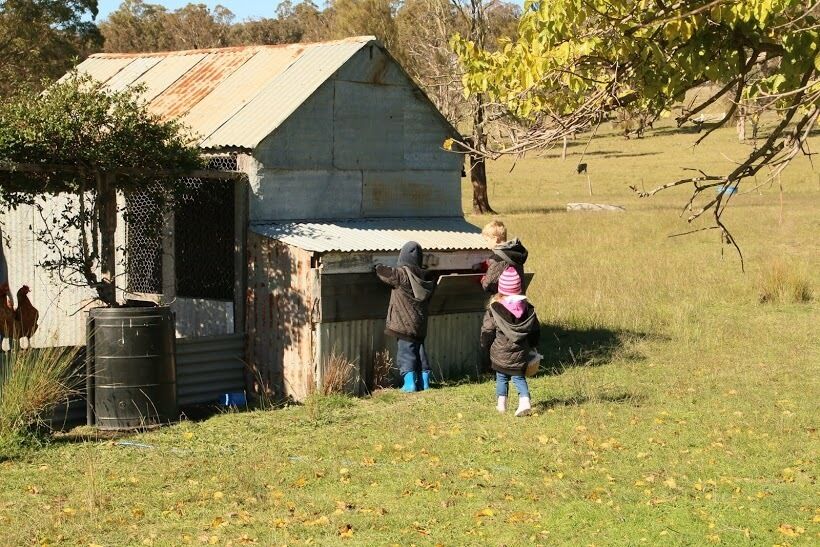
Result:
x=575 y=61
x=39 y=38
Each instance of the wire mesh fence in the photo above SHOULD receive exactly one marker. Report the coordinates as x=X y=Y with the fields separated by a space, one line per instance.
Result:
x=203 y=236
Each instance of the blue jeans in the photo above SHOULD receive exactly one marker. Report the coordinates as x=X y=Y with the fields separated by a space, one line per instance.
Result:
x=502 y=385
x=411 y=356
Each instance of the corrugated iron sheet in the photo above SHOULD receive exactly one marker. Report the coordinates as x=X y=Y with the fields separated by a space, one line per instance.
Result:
x=209 y=367
x=283 y=95
x=231 y=97
x=451 y=344
x=435 y=234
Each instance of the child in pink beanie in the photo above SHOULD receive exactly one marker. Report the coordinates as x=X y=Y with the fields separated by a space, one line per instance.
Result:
x=510 y=334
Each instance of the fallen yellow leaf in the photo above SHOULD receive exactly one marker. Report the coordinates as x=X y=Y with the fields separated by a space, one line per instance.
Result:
x=789 y=530
x=488 y=512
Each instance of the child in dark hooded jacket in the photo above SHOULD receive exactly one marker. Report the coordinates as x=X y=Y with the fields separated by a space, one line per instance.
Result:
x=407 y=314
x=505 y=254
x=510 y=334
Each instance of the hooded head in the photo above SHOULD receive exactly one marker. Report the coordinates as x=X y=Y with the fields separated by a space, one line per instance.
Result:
x=411 y=254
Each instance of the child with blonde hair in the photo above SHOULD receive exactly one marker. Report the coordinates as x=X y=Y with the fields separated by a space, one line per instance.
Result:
x=505 y=254
x=509 y=334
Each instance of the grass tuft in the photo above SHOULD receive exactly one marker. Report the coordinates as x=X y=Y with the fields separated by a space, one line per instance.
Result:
x=784 y=283
x=383 y=368
x=337 y=374
x=32 y=383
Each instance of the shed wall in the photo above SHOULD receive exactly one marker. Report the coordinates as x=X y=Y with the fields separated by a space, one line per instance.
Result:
x=62 y=319
x=282 y=292
x=367 y=143
x=452 y=346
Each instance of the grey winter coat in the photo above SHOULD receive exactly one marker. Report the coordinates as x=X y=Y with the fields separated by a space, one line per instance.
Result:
x=409 y=302
x=509 y=340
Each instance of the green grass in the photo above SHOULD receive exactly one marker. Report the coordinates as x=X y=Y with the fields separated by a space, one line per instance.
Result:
x=682 y=410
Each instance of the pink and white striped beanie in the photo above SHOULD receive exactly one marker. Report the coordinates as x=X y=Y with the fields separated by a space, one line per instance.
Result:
x=509 y=283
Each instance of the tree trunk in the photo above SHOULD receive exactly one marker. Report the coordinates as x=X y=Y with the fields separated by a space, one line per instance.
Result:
x=478 y=178
x=107 y=215
x=478 y=165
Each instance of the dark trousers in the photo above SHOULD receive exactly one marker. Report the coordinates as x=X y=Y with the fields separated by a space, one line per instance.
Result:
x=411 y=356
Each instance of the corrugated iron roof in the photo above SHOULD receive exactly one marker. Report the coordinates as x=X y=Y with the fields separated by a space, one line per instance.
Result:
x=229 y=97
x=386 y=234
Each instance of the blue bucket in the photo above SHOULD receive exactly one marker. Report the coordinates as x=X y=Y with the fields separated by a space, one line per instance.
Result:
x=234 y=398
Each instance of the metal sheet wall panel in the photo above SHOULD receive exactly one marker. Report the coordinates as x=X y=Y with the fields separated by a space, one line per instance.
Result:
x=283 y=195
x=196 y=317
x=371 y=66
x=305 y=139
x=208 y=367
x=425 y=131
x=411 y=194
x=282 y=296
x=452 y=346
x=62 y=321
x=369 y=126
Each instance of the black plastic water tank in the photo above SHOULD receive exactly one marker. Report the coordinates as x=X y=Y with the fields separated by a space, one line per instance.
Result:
x=133 y=366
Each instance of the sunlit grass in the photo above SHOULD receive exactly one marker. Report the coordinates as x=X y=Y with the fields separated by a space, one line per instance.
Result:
x=681 y=410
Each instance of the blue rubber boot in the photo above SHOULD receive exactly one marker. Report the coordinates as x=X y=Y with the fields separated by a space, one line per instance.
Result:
x=425 y=379
x=409 y=382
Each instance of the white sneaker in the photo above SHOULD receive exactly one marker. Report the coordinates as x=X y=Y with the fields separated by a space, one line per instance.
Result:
x=502 y=405
x=524 y=407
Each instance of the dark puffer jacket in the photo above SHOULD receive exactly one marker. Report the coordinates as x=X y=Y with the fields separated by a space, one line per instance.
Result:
x=512 y=253
x=409 y=301
x=508 y=340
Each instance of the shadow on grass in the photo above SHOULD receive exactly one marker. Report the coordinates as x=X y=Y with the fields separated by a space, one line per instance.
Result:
x=564 y=348
x=577 y=400
x=535 y=210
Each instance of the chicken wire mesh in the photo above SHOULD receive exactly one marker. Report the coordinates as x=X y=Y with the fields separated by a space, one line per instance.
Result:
x=203 y=221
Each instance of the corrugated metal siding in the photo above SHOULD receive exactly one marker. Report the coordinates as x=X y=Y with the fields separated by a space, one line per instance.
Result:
x=284 y=94
x=102 y=69
x=282 y=289
x=230 y=97
x=376 y=235
x=131 y=72
x=208 y=367
x=62 y=319
x=452 y=346
x=197 y=317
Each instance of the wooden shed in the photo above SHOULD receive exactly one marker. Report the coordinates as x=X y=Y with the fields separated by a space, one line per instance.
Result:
x=341 y=161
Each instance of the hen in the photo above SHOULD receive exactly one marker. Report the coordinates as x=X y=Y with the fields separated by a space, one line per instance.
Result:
x=26 y=315
x=7 y=313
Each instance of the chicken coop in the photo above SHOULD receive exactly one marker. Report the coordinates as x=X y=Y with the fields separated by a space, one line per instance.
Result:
x=326 y=158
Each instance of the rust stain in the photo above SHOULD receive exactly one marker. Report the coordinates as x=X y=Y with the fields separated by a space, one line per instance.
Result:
x=198 y=82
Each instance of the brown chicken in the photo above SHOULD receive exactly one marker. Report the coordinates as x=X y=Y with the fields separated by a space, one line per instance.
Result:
x=26 y=315
x=6 y=311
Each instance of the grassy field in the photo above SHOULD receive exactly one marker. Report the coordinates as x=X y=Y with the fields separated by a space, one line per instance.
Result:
x=680 y=410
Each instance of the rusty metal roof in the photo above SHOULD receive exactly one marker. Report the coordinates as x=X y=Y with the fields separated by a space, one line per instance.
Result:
x=385 y=234
x=229 y=97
